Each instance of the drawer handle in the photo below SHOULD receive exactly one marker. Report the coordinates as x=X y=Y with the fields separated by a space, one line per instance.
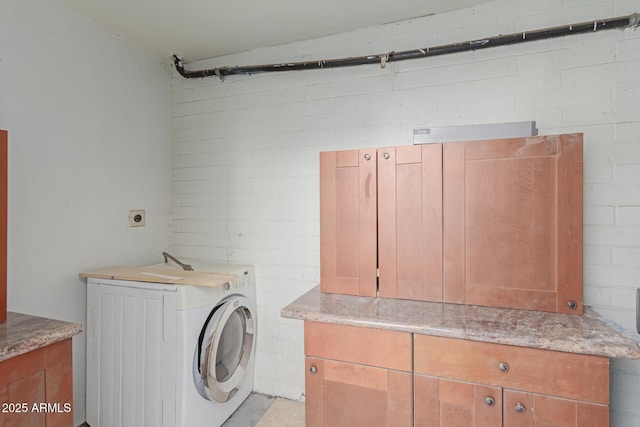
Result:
x=572 y=305
x=367 y=156
x=503 y=367
x=313 y=369
x=386 y=155
x=489 y=401
x=519 y=407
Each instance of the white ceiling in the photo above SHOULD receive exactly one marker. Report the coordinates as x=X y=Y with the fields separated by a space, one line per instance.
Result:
x=200 y=29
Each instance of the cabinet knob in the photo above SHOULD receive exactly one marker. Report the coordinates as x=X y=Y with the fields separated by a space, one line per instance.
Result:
x=313 y=369
x=503 y=367
x=489 y=401
x=519 y=407
x=367 y=156
x=572 y=305
x=386 y=155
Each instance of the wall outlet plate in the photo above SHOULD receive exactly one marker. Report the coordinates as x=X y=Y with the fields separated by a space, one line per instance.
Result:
x=136 y=218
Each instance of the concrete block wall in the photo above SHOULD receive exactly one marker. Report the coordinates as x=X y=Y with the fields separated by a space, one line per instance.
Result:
x=245 y=150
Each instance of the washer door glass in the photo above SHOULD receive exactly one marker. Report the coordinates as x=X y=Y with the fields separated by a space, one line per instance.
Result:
x=224 y=349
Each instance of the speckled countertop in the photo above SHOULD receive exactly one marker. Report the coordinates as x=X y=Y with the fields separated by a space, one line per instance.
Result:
x=584 y=334
x=22 y=333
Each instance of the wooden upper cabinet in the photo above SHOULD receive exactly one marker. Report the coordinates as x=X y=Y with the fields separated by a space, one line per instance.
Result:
x=494 y=223
x=513 y=223
x=348 y=242
x=3 y=225
x=410 y=222
x=382 y=209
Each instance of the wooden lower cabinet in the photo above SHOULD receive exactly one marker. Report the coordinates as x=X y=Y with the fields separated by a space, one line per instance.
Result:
x=368 y=377
x=357 y=377
x=345 y=394
x=36 y=388
x=472 y=381
x=571 y=376
x=532 y=410
x=441 y=402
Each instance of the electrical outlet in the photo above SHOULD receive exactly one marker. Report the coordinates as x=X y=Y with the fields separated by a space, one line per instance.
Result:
x=136 y=218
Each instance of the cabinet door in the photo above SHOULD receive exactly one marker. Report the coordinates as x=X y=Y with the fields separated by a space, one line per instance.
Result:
x=445 y=403
x=348 y=241
x=534 y=410
x=39 y=387
x=513 y=223
x=3 y=225
x=410 y=222
x=345 y=394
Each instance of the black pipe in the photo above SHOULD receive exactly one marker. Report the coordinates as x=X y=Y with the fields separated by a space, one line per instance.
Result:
x=632 y=20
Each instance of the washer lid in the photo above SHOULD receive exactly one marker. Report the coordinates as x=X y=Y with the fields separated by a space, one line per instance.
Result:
x=155 y=274
x=224 y=349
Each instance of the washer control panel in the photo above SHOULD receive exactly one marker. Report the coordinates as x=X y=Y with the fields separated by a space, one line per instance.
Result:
x=238 y=283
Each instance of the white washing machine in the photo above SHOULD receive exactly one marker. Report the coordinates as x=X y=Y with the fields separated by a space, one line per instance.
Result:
x=164 y=354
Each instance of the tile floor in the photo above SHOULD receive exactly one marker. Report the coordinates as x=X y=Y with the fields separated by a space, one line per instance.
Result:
x=260 y=410
x=266 y=411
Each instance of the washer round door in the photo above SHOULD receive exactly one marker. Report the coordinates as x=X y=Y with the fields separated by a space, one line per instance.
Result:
x=224 y=349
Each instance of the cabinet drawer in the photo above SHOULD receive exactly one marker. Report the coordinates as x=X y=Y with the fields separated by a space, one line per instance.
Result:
x=365 y=346
x=573 y=376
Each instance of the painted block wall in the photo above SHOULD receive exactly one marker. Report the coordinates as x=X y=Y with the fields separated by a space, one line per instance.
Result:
x=245 y=150
x=88 y=119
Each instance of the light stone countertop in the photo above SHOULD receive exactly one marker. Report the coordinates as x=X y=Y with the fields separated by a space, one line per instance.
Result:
x=583 y=334
x=22 y=333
